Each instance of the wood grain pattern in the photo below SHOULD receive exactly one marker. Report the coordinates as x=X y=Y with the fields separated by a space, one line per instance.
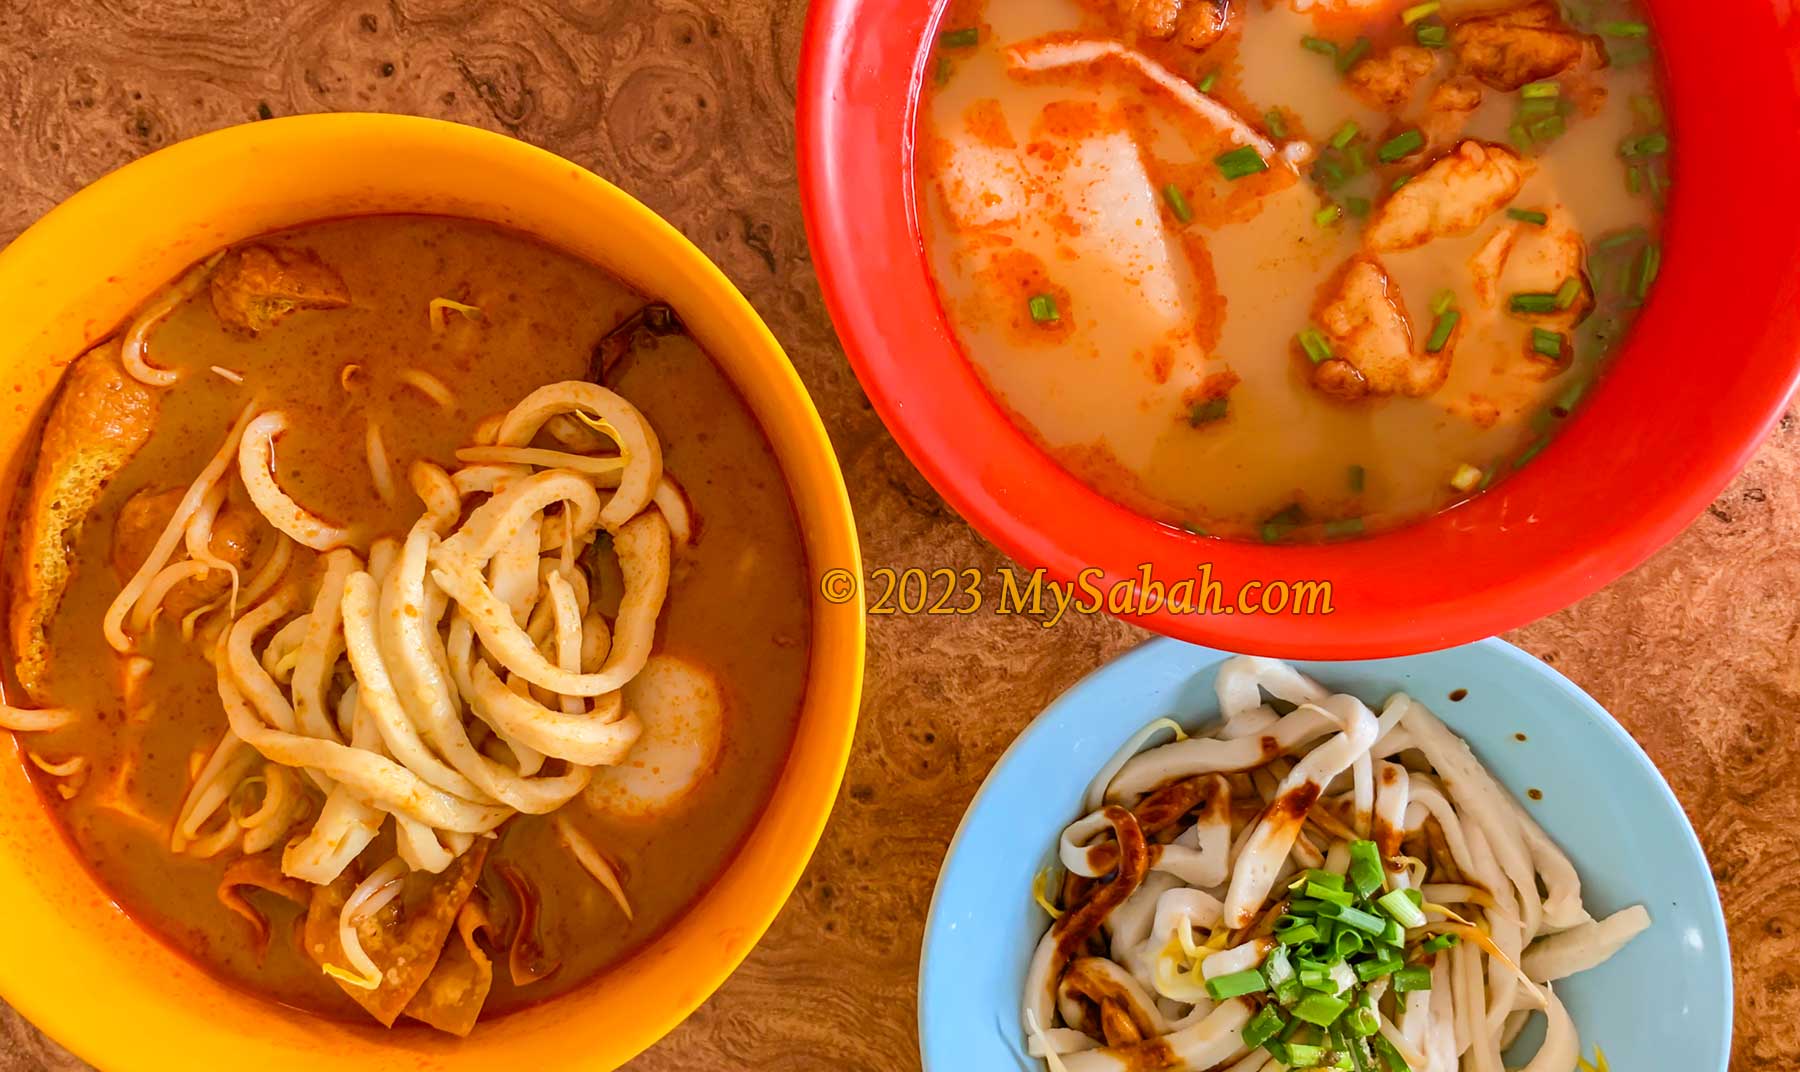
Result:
x=689 y=106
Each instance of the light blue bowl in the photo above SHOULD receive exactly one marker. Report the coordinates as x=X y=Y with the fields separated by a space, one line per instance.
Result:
x=1663 y=1003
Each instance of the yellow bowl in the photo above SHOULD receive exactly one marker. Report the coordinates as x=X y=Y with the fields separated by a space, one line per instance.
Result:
x=104 y=987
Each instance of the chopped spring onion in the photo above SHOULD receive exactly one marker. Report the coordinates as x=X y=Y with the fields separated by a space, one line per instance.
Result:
x=1316 y=345
x=1533 y=303
x=1239 y=162
x=1443 y=301
x=1319 y=45
x=1431 y=35
x=1399 y=182
x=1441 y=330
x=944 y=70
x=1628 y=54
x=1366 y=922
x=1206 y=84
x=1178 y=203
x=1647 y=109
x=1345 y=135
x=1264 y=1026
x=1531 y=216
x=1624 y=29
x=1548 y=343
x=1400 y=907
x=1634 y=180
x=1568 y=292
x=1412 y=977
x=1536 y=90
x=1236 y=985
x=1341 y=898
x=1276 y=124
x=1622 y=238
x=1654 y=143
x=1437 y=943
x=1329 y=173
x=1357 y=50
x=1320 y=1009
x=1530 y=453
x=1347 y=943
x=1328 y=215
x=1043 y=309
x=1370 y=970
x=1548 y=129
x=1418 y=11
x=1366 y=872
x=1209 y=411
x=1343 y=530
x=966 y=37
x=1648 y=264
x=1401 y=145
x=1328 y=880
x=1389 y=1055
x=1356 y=206
x=1465 y=478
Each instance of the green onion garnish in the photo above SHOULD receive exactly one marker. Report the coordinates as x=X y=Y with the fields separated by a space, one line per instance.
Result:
x=1431 y=35
x=1401 y=145
x=1239 y=162
x=1354 y=156
x=1628 y=54
x=1211 y=410
x=1548 y=129
x=1357 y=206
x=1262 y=1027
x=1320 y=1009
x=1205 y=84
x=1624 y=29
x=1357 y=50
x=1389 y=1055
x=1649 y=263
x=1344 y=136
x=1634 y=180
x=1548 y=343
x=1443 y=301
x=967 y=37
x=1418 y=11
x=1410 y=978
x=1178 y=204
x=1532 y=90
x=1276 y=124
x=1366 y=872
x=944 y=70
x=1401 y=908
x=1647 y=108
x=1622 y=238
x=1341 y=898
x=1316 y=345
x=1236 y=985
x=1370 y=970
x=1329 y=173
x=1437 y=943
x=1328 y=215
x=1566 y=402
x=1342 y=530
x=1568 y=292
x=1319 y=45
x=1399 y=182
x=1366 y=922
x=1530 y=216
x=1530 y=453
x=1539 y=107
x=1440 y=331
x=1653 y=144
x=1534 y=303
x=1043 y=309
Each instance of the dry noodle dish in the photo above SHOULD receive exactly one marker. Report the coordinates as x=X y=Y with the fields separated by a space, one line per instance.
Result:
x=1291 y=269
x=371 y=648
x=1307 y=885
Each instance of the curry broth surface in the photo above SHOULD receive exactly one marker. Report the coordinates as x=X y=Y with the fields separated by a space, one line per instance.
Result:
x=737 y=605
x=1144 y=292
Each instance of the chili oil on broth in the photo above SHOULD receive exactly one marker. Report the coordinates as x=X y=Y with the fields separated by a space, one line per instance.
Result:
x=1040 y=183
x=543 y=311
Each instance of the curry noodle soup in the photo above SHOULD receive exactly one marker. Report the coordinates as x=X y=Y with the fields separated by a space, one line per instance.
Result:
x=413 y=519
x=1291 y=269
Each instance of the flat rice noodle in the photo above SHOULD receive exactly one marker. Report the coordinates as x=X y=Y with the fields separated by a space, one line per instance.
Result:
x=408 y=953
x=261 y=872
x=458 y=985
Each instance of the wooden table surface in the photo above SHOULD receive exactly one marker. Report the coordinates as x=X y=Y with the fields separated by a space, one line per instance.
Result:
x=689 y=106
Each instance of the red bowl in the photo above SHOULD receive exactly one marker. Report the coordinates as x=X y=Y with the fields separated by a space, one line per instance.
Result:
x=1707 y=370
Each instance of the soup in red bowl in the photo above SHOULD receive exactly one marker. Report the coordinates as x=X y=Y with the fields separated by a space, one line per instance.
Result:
x=1322 y=328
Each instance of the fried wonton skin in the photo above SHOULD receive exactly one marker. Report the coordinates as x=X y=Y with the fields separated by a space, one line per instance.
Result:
x=1451 y=196
x=1388 y=79
x=257 y=287
x=406 y=949
x=458 y=985
x=101 y=418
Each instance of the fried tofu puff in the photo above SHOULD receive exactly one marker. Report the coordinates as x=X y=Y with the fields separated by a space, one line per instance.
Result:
x=1194 y=24
x=1510 y=48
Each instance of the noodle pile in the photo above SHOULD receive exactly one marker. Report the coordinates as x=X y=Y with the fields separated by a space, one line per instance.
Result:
x=1320 y=888
x=446 y=680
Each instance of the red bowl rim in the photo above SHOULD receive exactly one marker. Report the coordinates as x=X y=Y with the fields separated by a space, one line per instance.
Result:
x=1443 y=581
